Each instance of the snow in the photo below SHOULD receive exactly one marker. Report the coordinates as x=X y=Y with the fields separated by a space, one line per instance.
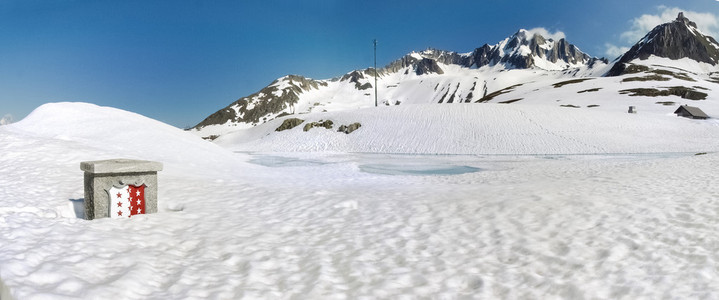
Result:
x=416 y=55
x=281 y=85
x=523 y=50
x=486 y=129
x=685 y=64
x=335 y=224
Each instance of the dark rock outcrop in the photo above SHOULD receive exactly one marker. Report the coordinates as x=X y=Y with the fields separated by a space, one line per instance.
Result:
x=355 y=77
x=347 y=129
x=681 y=91
x=427 y=66
x=326 y=124
x=289 y=124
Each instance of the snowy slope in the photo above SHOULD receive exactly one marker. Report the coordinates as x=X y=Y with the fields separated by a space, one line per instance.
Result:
x=315 y=225
x=115 y=132
x=456 y=85
x=607 y=93
x=486 y=129
x=531 y=112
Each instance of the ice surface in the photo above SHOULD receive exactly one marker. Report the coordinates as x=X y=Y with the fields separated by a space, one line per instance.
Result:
x=548 y=226
x=418 y=169
x=376 y=163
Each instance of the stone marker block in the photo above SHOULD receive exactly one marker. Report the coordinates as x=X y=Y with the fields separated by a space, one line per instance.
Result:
x=120 y=188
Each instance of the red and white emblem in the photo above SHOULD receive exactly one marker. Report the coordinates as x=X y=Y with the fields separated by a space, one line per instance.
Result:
x=127 y=201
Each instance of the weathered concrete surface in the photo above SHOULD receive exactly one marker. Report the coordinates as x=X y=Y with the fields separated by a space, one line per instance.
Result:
x=100 y=176
x=120 y=166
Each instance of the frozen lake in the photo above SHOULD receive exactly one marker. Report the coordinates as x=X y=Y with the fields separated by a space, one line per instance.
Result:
x=425 y=165
x=387 y=164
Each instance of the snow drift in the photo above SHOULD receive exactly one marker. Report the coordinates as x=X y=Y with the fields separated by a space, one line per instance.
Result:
x=116 y=133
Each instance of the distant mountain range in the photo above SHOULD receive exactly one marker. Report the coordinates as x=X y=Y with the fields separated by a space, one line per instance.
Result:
x=438 y=76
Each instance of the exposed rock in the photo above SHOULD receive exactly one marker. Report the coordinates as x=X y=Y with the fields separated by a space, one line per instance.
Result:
x=510 y=101
x=347 y=129
x=221 y=116
x=633 y=69
x=270 y=100
x=427 y=66
x=365 y=86
x=289 y=124
x=572 y=81
x=681 y=91
x=326 y=124
x=491 y=96
x=673 y=40
x=593 y=61
x=589 y=90
x=355 y=77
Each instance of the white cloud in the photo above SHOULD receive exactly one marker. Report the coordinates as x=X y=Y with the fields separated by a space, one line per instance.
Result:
x=707 y=23
x=557 y=35
x=7 y=119
x=614 y=51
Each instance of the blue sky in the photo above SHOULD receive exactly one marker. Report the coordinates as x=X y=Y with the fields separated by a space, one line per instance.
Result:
x=179 y=61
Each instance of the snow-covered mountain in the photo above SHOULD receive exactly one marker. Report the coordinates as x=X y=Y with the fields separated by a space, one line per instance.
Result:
x=526 y=49
x=523 y=50
x=674 y=40
x=524 y=67
x=429 y=76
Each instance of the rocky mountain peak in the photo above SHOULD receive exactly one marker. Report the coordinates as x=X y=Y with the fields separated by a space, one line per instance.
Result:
x=425 y=62
x=682 y=19
x=526 y=49
x=525 y=38
x=674 y=40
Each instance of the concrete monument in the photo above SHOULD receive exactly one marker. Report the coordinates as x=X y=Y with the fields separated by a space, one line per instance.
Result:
x=120 y=188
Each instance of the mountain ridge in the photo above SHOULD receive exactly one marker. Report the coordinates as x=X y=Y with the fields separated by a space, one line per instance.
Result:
x=439 y=76
x=522 y=50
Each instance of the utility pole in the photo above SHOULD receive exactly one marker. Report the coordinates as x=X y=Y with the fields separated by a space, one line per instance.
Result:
x=375 y=72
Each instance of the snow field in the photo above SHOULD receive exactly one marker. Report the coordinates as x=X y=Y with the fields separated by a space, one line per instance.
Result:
x=485 y=129
x=312 y=225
